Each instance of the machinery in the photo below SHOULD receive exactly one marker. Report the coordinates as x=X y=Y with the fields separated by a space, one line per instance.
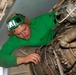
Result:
x=59 y=56
x=4 y=6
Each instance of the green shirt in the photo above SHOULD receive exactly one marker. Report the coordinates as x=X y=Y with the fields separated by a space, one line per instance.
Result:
x=41 y=34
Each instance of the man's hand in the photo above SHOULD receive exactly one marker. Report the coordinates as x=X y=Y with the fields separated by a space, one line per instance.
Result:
x=33 y=57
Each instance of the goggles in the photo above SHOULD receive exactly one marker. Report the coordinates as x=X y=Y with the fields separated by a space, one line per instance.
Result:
x=15 y=21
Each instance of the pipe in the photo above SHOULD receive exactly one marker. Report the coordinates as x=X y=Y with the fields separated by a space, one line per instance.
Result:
x=66 y=39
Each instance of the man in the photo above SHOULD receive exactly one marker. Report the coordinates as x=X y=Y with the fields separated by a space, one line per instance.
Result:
x=36 y=32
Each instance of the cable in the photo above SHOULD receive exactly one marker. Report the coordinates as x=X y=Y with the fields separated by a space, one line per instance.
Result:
x=67 y=15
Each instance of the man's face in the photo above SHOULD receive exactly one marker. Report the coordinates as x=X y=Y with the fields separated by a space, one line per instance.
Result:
x=23 y=31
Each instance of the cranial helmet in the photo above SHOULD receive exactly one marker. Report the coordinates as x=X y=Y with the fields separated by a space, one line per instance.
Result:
x=15 y=21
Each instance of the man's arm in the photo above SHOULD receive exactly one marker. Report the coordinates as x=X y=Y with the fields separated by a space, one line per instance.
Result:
x=33 y=57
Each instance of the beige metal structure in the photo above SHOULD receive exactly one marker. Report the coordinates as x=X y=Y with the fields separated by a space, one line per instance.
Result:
x=4 y=6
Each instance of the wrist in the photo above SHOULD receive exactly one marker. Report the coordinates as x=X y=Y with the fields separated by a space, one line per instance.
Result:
x=20 y=60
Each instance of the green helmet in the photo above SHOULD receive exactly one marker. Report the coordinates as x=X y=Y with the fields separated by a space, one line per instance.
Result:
x=15 y=21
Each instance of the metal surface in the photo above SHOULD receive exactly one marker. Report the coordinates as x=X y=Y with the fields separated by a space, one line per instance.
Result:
x=4 y=6
x=55 y=58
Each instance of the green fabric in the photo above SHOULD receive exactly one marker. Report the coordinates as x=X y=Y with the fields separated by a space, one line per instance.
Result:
x=42 y=34
x=12 y=23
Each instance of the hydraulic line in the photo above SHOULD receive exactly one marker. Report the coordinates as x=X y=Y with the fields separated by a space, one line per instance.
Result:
x=59 y=64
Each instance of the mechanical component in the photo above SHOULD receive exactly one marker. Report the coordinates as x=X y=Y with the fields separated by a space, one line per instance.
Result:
x=4 y=6
x=67 y=10
x=66 y=41
x=57 y=58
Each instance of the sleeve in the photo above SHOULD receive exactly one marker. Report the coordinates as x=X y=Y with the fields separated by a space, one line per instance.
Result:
x=6 y=59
